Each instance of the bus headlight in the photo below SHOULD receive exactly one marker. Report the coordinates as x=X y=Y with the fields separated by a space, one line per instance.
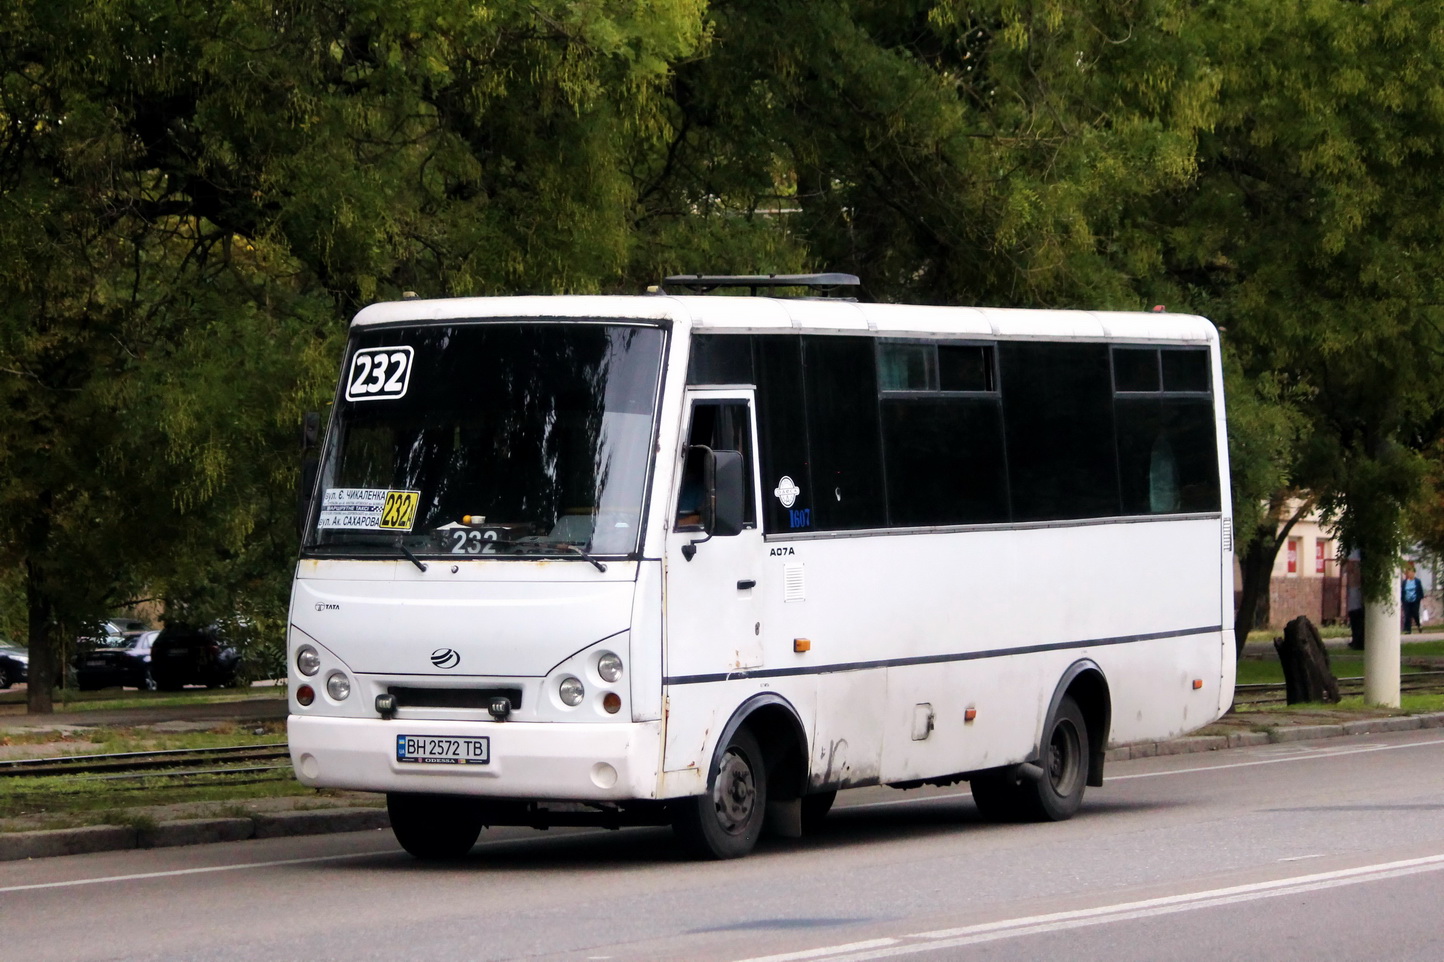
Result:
x=338 y=686
x=609 y=666
x=308 y=662
x=571 y=691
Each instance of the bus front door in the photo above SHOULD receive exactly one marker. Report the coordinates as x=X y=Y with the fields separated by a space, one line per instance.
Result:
x=713 y=622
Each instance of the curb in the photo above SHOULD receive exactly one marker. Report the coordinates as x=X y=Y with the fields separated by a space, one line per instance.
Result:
x=1274 y=736
x=325 y=821
x=190 y=831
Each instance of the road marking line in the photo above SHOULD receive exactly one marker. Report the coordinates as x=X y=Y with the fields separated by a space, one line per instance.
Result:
x=140 y=876
x=200 y=870
x=828 y=950
x=1301 y=757
x=1122 y=912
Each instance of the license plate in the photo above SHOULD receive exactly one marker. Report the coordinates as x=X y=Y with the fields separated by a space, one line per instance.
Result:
x=444 y=749
x=95 y=663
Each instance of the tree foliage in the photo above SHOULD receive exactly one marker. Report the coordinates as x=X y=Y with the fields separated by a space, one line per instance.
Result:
x=195 y=194
x=1308 y=233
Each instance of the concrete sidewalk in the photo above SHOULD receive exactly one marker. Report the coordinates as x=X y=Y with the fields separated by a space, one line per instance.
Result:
x=177 y=825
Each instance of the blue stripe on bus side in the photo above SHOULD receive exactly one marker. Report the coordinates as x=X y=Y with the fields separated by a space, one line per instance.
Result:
x=932 y=659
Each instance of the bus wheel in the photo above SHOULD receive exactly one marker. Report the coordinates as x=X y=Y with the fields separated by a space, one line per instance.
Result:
x=725 y=822
x=1059 y=793
x=1003 y=795
x=434 y=826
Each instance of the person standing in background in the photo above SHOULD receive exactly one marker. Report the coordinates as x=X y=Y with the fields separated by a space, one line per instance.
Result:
x=1411 y=593
x=1354 y=601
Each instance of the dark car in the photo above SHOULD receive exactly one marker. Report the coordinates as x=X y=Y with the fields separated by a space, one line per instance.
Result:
x=123 y=660
x=14 y=664
x=183 y=655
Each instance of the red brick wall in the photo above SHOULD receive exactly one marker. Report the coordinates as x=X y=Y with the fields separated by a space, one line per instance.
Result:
x=1291 y=597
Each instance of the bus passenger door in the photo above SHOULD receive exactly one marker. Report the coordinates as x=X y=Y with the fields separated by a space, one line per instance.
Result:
x=712 y=614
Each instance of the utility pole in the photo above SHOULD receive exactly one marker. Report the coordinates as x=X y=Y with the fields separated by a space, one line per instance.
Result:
x=1381 y=643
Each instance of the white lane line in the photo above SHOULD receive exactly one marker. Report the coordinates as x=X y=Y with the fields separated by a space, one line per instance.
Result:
x=1125 y=911
x=827 y=951
x=1300 y=757
x=173 y=873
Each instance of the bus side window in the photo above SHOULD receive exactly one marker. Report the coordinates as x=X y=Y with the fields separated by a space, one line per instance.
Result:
x=722 y=426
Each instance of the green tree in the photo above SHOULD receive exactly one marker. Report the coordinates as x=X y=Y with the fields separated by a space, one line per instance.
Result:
x=194 y=193
x=946 y=153
x=1309 y=232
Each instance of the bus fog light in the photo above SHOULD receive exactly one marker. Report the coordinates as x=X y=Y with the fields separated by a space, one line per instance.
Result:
x=305 y=694
x=338 y=686
x=612 y=702
x=609 y=666
x=571 y=691
x=308 y=662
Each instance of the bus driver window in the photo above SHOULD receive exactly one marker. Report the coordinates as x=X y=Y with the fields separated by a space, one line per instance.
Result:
x=721 y=426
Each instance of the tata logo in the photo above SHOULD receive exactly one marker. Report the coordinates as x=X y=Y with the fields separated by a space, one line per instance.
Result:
x=445 y=658
x=322 y=606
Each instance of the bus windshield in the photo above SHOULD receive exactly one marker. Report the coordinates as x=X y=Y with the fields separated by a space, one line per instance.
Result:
x=490 y=438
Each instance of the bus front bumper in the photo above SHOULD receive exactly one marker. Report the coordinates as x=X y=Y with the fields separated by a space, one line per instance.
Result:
x=584 y=761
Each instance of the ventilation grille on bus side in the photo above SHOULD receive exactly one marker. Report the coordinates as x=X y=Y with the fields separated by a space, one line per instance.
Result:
x=793 y=586
x=477 y=698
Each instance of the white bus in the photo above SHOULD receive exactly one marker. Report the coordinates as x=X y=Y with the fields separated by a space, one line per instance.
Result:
x=705 y=559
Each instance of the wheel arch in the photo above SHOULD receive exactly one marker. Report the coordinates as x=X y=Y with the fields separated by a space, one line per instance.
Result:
x=779 y=731
x=1088 y=686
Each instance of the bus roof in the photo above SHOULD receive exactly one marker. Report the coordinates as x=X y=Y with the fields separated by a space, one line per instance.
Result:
x=776 y=315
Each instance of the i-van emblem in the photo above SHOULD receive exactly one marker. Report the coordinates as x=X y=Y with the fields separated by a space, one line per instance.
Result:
x=445 y=658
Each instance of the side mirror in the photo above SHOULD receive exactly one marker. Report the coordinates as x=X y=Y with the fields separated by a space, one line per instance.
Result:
x=723 y=494
x=310 y=465
x=310 y=430
x=728 y=493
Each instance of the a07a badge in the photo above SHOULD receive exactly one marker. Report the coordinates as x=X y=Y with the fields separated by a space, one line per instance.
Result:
x=399 y=511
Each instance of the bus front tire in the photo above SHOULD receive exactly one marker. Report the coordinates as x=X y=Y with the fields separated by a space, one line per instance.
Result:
x=726 y=821
x=434 y=827
x=1004 y=795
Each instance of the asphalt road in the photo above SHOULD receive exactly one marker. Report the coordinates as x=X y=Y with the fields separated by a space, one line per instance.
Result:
x=1325 y=850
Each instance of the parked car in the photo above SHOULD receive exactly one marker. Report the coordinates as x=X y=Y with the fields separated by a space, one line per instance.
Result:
x=109 y=633
x=14 y=664
x=185 y=655
x=123 y=660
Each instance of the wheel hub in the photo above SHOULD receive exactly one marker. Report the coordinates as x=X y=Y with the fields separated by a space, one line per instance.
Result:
x=734 y=794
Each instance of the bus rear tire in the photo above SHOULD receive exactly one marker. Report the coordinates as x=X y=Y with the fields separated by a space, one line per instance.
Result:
x=726 y=821
x=1003 y=795
x=434 y=827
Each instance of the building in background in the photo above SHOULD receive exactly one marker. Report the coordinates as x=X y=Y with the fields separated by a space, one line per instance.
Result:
x=1309 y=578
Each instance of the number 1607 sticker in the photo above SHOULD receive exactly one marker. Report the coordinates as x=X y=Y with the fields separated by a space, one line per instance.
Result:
x=379 y=373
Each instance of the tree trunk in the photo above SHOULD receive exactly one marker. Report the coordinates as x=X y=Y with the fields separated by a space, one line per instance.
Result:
x=40 y=639
x=1257 y=567
x=1307 y=675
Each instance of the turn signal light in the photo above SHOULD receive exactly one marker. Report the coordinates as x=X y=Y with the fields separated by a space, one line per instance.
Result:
x=801 y=644
x=969 y=714
x=612 y=702
x=1197 y=684
x=305 y=694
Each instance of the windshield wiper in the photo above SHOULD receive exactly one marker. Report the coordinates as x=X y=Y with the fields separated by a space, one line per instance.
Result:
x=571 y=547
x=409 y=556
